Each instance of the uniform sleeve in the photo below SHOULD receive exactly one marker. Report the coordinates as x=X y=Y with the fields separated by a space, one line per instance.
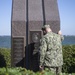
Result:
x=43 y=48
x=62 y=37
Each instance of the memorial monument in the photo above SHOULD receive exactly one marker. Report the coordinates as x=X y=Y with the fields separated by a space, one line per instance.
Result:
x=28 y=16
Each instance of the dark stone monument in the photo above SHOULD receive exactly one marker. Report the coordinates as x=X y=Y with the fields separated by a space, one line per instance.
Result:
x=28 y=16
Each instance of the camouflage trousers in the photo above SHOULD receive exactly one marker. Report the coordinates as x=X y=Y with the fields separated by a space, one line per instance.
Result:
x=56 y=70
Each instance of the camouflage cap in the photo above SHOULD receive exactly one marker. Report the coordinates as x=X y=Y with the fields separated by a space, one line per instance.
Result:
x=45 y=26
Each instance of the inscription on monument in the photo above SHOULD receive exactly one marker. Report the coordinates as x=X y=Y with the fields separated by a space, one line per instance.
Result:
x=18 y=49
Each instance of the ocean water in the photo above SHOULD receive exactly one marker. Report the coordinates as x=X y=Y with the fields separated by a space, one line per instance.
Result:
x=69 y=40
x=5 y=41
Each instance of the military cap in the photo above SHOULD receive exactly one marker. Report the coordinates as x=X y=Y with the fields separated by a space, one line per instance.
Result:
x=45 y=26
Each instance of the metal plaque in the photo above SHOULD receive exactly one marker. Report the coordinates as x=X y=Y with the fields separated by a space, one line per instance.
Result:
x=34 y=49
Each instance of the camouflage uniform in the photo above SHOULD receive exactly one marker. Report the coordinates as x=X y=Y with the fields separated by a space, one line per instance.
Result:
x=51 y=51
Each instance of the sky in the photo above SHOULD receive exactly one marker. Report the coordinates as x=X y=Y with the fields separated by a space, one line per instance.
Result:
x=66 y=12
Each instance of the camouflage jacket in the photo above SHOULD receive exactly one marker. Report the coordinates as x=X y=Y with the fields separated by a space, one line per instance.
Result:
x=51 y=50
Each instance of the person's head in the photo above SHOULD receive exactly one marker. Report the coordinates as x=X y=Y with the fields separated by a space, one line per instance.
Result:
x=46 y=29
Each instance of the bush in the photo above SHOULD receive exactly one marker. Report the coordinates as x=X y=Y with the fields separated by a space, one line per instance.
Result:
x=69 y=58
x=23 y=71
x=5 y=57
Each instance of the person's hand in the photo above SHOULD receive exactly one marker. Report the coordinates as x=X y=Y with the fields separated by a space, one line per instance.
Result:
x=41 y=68
x=59 y=32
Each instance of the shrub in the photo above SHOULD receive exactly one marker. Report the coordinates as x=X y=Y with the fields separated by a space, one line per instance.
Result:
x=5 y=57
x=69 y=58
x=23 y=71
